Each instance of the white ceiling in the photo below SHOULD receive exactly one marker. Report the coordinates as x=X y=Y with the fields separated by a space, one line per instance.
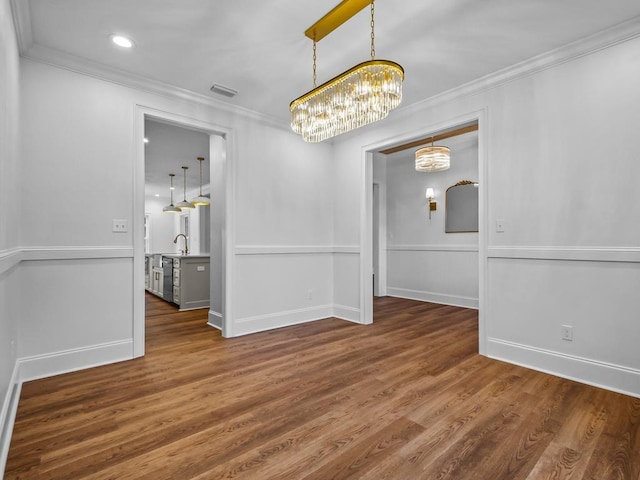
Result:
x=169 y=148
x=258 y=47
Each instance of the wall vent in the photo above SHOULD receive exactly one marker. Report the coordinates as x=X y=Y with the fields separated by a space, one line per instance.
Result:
x=222 y=90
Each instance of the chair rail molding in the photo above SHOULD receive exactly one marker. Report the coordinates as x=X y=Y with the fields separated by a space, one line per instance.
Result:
x=592 y=254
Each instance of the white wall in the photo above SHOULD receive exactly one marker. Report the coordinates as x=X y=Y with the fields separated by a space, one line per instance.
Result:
x=424 y=262
x=286 y=227
x=194 y=229
x=79 y=140
x=163 y=226
x=562 y=169
x=9 y=221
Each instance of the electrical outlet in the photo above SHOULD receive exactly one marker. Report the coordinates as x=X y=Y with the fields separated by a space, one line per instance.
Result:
x=119 y=226
x=567 y=332
x=310 y=294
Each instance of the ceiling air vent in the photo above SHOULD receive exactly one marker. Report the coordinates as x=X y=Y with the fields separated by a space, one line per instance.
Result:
x=222 y=90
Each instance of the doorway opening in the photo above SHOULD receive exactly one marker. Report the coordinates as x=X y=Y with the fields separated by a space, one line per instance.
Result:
x=406 y=253
x=192 y=241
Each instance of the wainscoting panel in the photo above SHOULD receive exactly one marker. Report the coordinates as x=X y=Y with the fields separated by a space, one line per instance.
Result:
x=8 y=415
x=531 y=299
x=215 y=319
x=281 y=285
x=445 y=274
x=433 y=297
x=56 y=363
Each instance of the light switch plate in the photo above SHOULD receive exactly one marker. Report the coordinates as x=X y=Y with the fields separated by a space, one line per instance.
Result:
x=500 y=226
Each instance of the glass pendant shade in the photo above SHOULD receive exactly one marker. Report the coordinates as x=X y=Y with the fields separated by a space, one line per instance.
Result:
x=201 y=200
x=171 y=208
x=433 y=159
x=184 y=204
x=364 y=94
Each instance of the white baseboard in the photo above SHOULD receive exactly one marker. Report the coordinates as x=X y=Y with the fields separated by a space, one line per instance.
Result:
x=343 y=312
x=591 y=372
x=198 y=306
x=41 y=366
x=215 y=320
x=454 y=300
x=8 y=414
x=260 y=323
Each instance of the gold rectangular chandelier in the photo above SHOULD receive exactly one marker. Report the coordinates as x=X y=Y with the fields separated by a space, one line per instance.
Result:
x=363 y=94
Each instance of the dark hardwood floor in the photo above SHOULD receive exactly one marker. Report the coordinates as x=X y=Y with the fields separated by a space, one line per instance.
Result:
x=405 y=398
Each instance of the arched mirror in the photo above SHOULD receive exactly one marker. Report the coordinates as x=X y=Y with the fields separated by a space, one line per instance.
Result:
x=461 y=207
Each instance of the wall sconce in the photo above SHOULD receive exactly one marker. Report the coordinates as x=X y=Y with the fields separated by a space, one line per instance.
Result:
x=432 y=205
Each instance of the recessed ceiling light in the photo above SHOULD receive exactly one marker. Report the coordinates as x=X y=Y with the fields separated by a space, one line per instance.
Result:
x=121 y=41
x=157 y=195
x=146 y=140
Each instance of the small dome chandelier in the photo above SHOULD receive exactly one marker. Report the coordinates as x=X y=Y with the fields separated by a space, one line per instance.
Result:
x=434 y=158
x=171 y=208
x=363 y=94
x=201 y=200
x=185 y=204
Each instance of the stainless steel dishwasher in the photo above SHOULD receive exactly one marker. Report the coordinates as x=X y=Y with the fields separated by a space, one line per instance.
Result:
x=167 y=278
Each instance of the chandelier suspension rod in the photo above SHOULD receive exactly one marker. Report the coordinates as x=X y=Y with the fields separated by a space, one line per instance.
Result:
x=315 y=78
x=336 y=17
x=373 y=37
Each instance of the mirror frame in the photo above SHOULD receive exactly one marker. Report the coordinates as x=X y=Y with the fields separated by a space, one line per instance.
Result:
x=448 y=229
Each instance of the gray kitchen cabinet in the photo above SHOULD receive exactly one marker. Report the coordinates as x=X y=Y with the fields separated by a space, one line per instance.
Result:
x=191 y=281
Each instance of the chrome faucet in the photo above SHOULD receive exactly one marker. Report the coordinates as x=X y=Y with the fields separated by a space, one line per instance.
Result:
x=186 y=243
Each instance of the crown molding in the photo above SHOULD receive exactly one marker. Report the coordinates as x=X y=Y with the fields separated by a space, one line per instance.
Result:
x=73 y=63
x=22 y=24
x=615 y=35
x=32 y=51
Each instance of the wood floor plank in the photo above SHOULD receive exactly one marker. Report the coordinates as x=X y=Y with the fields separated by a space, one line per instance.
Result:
x=444 y=429
x=406 y=398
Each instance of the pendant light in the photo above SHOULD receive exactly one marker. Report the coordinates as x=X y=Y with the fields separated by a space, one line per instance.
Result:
x=200 y=200
x=184 y=204
x=434 y=158
x=171 y=208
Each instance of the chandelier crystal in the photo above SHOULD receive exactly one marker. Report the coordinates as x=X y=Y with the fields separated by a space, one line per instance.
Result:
x=363 y=94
